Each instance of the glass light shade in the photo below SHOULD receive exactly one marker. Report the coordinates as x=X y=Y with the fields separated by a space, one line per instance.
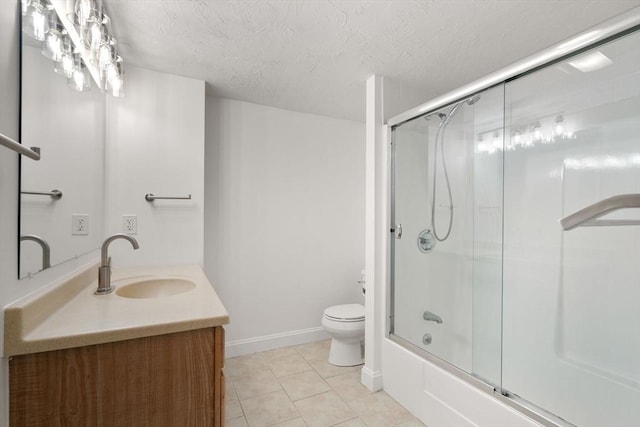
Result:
x=66 y=65
x=536 y=132
x=497 y=141
x=98 y=33
x=25 y=7
x=559 y=127
x=80 y=80
x=517 y=137
x=106 y=54
x=84 y=11
x=36 y=20
x=53 y=44
x=113 y=77
x=95 y=35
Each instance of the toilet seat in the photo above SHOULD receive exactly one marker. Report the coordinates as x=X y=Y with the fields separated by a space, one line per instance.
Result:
x=345 y=313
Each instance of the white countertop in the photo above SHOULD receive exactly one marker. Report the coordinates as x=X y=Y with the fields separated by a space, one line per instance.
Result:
x=68 y=314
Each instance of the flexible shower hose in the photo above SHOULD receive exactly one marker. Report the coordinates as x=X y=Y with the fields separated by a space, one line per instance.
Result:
x=440 y=142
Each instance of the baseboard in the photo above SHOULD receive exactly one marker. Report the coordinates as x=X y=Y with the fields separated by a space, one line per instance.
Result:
x=370 y=379
x=270 y=342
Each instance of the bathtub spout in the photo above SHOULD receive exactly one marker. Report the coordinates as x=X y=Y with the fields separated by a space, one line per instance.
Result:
x=431 y=317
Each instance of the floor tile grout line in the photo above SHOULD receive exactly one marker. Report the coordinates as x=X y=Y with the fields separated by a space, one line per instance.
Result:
x=265 y=361
x=350 y=419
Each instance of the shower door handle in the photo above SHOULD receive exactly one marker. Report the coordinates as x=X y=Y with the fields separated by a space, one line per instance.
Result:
x=397 y=231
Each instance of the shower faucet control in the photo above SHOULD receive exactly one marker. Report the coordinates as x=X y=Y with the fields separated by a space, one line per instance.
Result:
x=426 y=241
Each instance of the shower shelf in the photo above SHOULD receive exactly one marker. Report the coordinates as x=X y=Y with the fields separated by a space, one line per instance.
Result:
x=588 y=216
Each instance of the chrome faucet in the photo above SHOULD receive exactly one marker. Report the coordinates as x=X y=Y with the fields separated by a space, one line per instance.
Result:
x=104 y=273
x=46 y=250
x=431 y=317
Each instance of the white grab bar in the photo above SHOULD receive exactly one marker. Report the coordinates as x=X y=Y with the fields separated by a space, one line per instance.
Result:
x=588 y=216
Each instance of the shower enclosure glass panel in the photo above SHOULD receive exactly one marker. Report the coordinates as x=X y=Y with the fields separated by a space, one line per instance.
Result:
x=447 y=185
x=488 y=274
x=572 y=297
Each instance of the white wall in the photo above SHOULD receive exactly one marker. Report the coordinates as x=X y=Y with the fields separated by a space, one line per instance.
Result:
x=284 y=220
x=155 y=144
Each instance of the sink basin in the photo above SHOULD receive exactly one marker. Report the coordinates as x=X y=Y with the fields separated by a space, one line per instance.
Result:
x=155 y=288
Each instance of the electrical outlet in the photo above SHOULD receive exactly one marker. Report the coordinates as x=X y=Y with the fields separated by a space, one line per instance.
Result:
x=80 y=224
x=130 y=224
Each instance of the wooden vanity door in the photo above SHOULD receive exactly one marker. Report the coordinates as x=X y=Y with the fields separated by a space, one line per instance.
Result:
x=167 y=380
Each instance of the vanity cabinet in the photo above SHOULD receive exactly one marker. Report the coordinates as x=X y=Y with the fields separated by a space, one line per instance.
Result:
x=165 y=380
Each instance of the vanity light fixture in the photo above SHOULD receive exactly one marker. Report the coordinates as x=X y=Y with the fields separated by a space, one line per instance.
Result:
x=80 y=42
x=489 y=141
x=547 y=130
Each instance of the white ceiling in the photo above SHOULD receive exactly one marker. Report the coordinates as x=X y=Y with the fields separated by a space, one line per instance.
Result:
x=314 y=55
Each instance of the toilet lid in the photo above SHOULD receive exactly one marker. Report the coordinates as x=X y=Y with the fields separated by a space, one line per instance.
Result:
x=345 y=312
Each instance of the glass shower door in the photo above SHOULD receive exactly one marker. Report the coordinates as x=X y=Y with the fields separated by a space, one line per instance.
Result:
x=447 y=202
x=572 y=297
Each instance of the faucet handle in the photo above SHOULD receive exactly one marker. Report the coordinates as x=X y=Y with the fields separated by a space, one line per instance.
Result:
x=109 y=262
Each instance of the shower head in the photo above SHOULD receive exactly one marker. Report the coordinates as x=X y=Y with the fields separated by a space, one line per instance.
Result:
x=473 y=99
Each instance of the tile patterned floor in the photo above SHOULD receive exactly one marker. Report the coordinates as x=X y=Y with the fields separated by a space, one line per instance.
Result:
x=297 y=387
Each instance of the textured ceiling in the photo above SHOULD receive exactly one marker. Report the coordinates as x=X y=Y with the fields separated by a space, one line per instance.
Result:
x=315 y=55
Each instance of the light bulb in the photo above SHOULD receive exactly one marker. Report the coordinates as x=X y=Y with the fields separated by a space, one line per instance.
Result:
x=52 y=47
x=536 y=133
x=113 y=77
x=53 y=44
x=559 y=129
x=36 y=20
x=80 y=80
x=116 y=87
x=517 y=137
x=40 y=25
x=84 y=10
x=95 y=35
x=106 y=53
x=497 y=142
x=25 y=7
x=66 y=66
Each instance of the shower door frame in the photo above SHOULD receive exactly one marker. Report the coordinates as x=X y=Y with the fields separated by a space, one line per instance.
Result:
x=609 y=30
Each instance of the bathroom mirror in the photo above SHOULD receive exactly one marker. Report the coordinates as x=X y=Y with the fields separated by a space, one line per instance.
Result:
x=61 y=197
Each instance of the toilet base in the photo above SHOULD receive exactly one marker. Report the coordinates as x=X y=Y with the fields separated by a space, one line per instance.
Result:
x=345 y=353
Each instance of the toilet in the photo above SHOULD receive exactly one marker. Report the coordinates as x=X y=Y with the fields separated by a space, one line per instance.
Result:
x=345 y=324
